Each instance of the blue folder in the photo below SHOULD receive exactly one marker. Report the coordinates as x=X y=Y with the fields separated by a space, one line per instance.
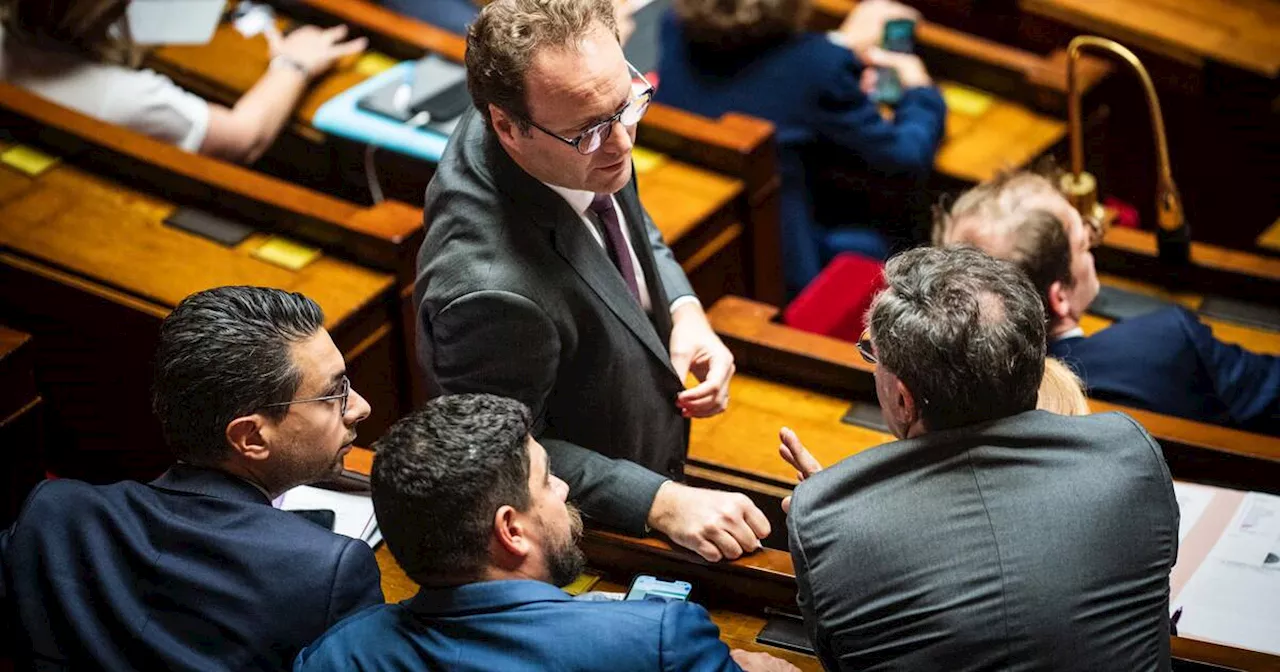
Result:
x=342 y=117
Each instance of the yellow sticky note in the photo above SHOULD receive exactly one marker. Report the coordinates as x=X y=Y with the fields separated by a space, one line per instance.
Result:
x=582 y=584
x=372 y=63
x=28 y=160
x=1271 y=237
x=646 y=160
x=964 y=100
x=286 y=253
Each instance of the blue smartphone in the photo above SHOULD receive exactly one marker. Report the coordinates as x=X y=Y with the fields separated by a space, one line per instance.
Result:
x=645 y=587
x=900 y=36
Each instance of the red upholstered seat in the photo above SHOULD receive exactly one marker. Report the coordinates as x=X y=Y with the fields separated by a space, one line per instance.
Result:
x=836 y=302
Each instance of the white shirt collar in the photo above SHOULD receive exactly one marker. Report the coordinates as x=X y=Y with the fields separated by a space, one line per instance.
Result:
x=577 y=199
x=1076 y=332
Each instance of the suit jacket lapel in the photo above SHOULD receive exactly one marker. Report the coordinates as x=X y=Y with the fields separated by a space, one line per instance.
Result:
x=593 y=266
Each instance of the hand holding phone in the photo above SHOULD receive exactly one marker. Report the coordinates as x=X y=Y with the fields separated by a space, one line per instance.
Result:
x=895 y=72
x=646 y=587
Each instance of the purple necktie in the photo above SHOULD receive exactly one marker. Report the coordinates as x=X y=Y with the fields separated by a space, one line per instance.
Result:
x=602 y=206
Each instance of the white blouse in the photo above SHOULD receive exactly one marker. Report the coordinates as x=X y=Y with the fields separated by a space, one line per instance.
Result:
x=140 y=100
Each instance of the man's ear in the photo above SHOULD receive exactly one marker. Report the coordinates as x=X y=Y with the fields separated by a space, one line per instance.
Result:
x=1059 y=304
x=511 y=532
x=503 y=124
x=904 y=404
x=247 y=436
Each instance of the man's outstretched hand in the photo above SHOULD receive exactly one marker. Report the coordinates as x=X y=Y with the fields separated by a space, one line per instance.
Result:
x=798 y=457
x=714 y=524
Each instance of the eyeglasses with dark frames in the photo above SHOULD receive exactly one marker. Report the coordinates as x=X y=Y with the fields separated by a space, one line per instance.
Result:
x=343 y=394
x=864 y=347
x=594 y=137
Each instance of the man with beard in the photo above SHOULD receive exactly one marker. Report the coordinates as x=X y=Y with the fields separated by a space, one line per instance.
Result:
x=196 y=570
x=469 y=507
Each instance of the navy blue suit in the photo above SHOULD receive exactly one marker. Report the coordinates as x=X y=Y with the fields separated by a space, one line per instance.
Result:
x=1169 y=362
x=451 y=15
x=809 y=88
x=194 y=571
x=520 y=625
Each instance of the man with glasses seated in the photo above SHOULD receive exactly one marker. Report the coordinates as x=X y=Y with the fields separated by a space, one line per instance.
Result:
x=196 y=570
x=542 y=278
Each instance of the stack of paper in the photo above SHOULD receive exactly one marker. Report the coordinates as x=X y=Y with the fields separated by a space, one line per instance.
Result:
x=1234 y=597
x=353 y=512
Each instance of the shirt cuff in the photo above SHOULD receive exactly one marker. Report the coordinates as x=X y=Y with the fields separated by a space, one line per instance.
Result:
x=682 y=300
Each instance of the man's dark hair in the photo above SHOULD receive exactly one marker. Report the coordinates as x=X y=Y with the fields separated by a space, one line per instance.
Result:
x=225 y=353
x=963 y=331
x=439 y=476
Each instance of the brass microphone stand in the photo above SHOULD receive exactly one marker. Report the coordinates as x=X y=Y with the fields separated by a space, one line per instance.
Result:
x=1173 y=235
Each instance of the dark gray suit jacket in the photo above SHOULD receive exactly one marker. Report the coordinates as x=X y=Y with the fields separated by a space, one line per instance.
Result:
x=1035 y=542
x=516 y=298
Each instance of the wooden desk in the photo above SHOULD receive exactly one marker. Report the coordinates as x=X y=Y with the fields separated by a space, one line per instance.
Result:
x=1213 y=269
x=1240 y=33
x=1004 y=136
x=89 y=268
x=20 y=422
x=708 y=218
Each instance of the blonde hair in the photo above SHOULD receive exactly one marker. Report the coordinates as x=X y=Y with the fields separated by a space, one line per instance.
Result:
x=1061 y=391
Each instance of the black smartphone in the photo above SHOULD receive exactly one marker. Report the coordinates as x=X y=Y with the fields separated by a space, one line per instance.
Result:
x=899 y=36
x=646 y=587
x=434 y=91
x=322 y=517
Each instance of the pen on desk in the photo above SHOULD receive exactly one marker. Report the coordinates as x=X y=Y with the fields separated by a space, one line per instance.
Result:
x=1173 y=621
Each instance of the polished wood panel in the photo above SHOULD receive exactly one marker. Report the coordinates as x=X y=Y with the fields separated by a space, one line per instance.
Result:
x=1213 y=269
x=1242 y=33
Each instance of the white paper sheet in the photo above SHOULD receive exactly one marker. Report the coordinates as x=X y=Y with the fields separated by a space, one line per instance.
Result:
x=353 y=512
x=1234 y=597
x=1192 y=501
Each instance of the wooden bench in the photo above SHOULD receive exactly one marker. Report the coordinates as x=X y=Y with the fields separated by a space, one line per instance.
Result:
x=89 y=268
x=719 y=216
x=20 y=422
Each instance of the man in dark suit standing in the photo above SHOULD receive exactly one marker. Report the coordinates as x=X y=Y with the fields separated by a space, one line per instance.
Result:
x=542 y=278
x=1167 y=361
x=992 y=536
x=196 y=570
x=470 y=509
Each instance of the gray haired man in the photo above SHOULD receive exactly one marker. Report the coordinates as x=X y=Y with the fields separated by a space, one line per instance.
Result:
x=992 y=535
